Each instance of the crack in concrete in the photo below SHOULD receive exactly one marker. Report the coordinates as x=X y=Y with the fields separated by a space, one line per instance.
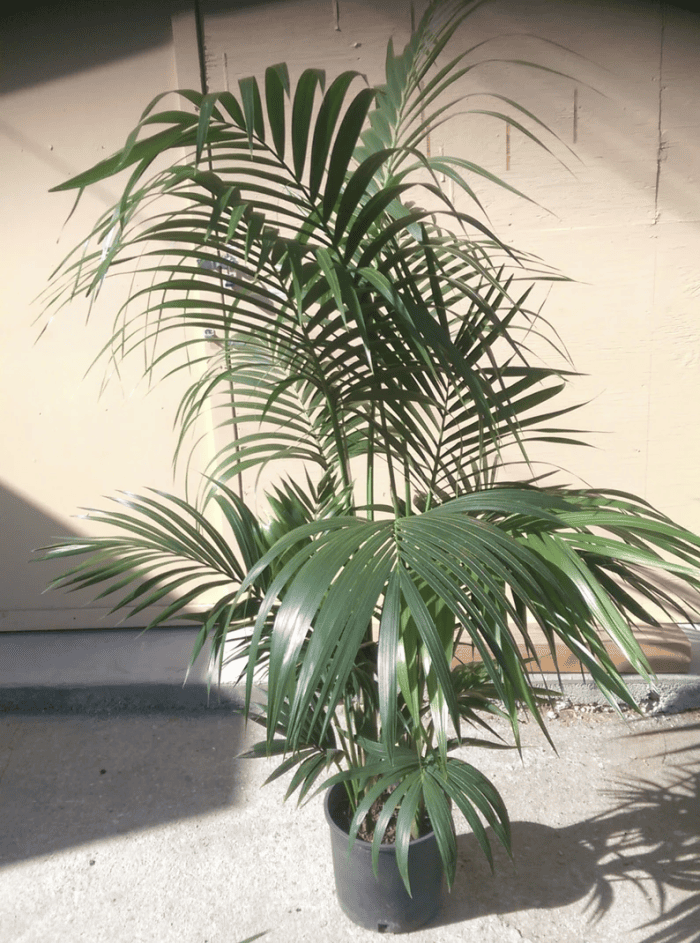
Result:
x=661 y=146
x=514 y=933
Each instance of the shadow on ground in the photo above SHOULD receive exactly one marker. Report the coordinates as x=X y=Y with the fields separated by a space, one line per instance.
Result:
x=66 y=779
x=650 y=837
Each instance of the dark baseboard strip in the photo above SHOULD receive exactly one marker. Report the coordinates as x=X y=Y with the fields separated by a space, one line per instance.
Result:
x=120 y=699
x=674 y=694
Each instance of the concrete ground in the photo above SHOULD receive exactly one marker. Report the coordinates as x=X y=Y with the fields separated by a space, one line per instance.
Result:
x=125 y=820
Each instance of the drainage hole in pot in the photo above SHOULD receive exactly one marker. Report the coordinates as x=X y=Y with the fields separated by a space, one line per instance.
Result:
x=382 y=927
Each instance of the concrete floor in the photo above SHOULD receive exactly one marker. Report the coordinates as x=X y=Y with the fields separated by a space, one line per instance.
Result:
x=130 y=823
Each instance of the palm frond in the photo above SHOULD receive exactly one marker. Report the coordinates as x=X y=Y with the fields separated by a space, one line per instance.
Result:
x=329 y=319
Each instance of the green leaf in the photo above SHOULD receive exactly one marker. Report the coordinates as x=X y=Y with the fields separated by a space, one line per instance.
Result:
x=276 y=87
x=145 y=150
x=392 y=801
x=252 y=109
x=206 y=109
x=387 y=662
x=355 y=190
x=301 y=115
x=324 y=128
x=438 y=809
x=431 y=639
x=344 y=147
x=404 y=825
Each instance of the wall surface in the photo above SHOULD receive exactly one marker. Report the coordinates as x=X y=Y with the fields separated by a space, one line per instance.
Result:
x=617 y=209
x=73 y=82
x=613 y=204
x=616 y=204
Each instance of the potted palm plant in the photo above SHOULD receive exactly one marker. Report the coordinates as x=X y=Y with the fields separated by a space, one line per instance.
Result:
x=367 y=340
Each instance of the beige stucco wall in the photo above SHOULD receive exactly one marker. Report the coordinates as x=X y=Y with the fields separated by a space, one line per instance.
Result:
x=74 y=80
x=623 y=222
x=617 y=207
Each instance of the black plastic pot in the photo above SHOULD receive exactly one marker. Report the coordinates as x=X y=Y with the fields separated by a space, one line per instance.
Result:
x=382 y=903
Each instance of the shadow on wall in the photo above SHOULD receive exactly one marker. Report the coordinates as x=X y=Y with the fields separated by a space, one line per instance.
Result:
x=24 y=603
x=69 y=780
x=23 y=529
x=83 y=35
x=76 y=36
x=62 y=639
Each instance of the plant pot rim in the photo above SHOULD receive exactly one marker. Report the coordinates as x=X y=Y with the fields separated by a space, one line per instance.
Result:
x=384 y=848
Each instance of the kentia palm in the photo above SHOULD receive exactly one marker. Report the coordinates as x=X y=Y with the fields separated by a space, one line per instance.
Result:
x=359 y=333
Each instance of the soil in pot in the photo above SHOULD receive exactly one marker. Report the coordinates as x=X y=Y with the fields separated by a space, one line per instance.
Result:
x=382 y=903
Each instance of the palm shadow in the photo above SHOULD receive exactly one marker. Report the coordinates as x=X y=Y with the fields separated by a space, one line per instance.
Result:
x=650 y=837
